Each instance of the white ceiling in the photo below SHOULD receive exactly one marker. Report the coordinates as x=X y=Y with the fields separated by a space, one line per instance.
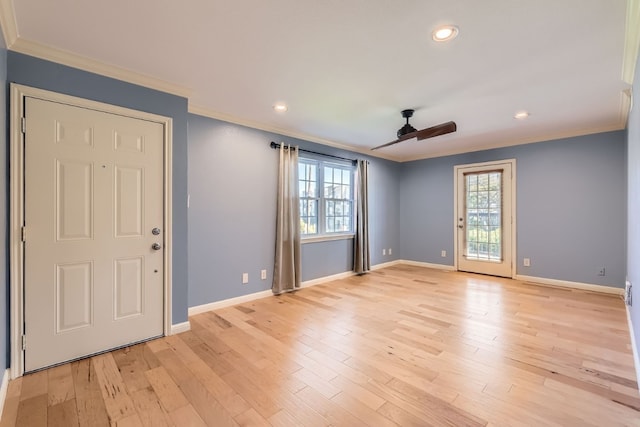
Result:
x=347 y=68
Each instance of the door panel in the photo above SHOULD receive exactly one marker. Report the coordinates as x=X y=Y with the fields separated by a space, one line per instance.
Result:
x=93 y=193
x=484 y=218
x=74 y=200
x=129 y=201
x=74 y=304
x=129 y=287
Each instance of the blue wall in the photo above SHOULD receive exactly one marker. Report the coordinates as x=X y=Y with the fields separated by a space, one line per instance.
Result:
x=571 y=199
x=232 y=183
x=47 y=75
x=633 y=206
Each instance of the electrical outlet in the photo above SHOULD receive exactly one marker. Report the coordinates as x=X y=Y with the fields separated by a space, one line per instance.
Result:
x=601 y=272
x=390 y=251
x=384 y=252
x=627 y=293
x=526 y=262
x=443 y=254
x=245 y=278
x=263 y=274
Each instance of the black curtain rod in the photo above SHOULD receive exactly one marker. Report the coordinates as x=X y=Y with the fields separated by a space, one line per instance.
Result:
x=354 y=161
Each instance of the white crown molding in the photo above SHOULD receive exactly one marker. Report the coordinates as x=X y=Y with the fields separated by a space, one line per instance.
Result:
x=8 y=22
x=64 y=57
x=205 y=112
x=619 y=125
x=631 y=41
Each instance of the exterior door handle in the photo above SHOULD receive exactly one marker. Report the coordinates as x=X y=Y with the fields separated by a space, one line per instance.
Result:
x=156 y=246
x=460 y=226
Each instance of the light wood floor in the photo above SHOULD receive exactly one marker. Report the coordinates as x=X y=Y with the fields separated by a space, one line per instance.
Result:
x=402 y=346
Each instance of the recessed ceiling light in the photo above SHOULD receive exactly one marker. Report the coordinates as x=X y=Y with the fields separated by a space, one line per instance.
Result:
x=280 y=107
x=521 y=115
x=444 y=33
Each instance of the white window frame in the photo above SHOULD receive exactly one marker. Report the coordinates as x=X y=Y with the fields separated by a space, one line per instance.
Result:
x=322 y=234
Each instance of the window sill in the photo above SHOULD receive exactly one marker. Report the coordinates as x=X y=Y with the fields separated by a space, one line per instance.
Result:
x=326 y=238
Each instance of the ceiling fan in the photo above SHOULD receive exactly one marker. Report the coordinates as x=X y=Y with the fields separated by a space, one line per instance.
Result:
x=407 y=131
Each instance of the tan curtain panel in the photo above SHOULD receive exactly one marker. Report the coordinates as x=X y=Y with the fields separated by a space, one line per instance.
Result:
x=287 y=267
x=361 y=259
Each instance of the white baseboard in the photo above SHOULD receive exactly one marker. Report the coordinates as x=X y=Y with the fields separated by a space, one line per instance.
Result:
x=325 y=279
x=572 y=285
x=228 y=302
x=385 y=265
x=3 y=389
x=427 y=265
x=180 y=327
x=634 y=347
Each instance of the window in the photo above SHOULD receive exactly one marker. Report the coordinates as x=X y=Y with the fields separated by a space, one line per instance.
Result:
x=326 y=197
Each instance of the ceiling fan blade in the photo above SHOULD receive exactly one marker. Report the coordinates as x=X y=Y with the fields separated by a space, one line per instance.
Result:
x=402 y=138
x=437 y=130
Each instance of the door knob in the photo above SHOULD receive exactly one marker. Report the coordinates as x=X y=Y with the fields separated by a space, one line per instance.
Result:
x=460 y=226
x=156 y=246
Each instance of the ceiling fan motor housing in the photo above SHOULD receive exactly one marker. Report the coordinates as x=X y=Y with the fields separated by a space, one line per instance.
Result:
x=407 y=128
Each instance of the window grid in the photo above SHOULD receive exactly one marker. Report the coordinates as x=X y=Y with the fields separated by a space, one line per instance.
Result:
x=337 y=199
x=308 y=192
x=484 y=215
x=326 y=197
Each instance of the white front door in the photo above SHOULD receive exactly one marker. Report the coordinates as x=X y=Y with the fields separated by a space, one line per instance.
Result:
x=93 y=210
x=484 y=218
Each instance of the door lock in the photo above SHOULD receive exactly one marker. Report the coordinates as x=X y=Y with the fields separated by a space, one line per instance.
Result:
x=156 y=246
x=155 y=231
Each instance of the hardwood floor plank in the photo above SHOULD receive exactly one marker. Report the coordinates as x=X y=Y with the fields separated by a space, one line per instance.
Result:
x=149 y=408
x=403 y=345
x=10 y=410
x=63 y=414
x=282 y=419
x=362 y=411
x=60 y=387
x=132 y=363
x=33 y=411
x=114 y=393
x=251 y=417
x=170 y=396
x=89 y=401
x=186 y=416
x=34 y=385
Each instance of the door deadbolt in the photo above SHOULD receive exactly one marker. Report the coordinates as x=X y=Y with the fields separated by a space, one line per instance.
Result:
x=155 y=231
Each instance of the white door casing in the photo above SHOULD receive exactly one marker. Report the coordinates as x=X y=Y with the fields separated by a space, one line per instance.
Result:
x=497 y=220
x=95 y=185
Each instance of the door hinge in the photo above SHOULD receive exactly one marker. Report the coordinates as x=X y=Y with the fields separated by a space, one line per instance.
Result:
x=23 y=233
x=23 y=124
x=24 y=342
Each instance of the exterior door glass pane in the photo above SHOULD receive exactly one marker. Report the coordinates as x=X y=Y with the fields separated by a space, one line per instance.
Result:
x=483 y=211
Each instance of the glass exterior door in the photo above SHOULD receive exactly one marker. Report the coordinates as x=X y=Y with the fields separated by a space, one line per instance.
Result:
x=484 y=218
